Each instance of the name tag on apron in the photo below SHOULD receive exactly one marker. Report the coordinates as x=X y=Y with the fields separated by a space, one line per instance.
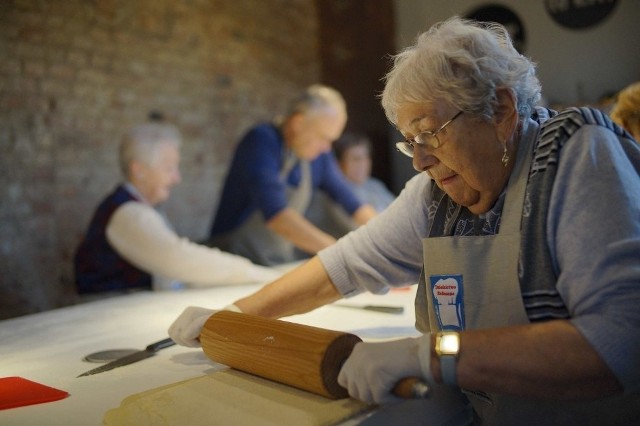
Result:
x=448 y=301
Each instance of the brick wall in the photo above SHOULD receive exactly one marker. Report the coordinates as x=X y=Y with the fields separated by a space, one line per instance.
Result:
x=74 y=74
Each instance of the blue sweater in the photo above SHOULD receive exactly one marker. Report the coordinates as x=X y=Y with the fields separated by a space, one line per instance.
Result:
x=253 y=181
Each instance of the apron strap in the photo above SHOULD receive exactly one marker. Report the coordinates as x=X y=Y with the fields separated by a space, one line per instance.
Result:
x=511 y=216
x=300 y=197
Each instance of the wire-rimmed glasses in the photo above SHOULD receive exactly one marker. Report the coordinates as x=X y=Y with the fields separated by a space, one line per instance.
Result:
x=427 y=138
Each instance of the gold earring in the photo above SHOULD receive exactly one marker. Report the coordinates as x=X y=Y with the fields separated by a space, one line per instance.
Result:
x=505 y=156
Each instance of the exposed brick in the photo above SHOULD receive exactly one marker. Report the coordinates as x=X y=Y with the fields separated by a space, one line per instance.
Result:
x=78 y=58
x=10 y=66
x=75 y=74
x=62 y=72
x=34 y=68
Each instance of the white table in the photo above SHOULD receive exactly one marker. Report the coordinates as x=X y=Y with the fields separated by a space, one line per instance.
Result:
x=48 y=347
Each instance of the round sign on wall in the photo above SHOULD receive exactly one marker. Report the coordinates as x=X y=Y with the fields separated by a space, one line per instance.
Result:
x=579 y=14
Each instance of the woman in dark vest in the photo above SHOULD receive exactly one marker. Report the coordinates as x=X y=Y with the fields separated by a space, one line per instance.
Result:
x=522 y=232
x=130 y=245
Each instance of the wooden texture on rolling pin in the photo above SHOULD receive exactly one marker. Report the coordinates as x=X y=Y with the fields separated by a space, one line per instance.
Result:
x=302 y=356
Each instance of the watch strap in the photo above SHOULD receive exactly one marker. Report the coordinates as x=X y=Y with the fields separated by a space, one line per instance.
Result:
x=448 y=369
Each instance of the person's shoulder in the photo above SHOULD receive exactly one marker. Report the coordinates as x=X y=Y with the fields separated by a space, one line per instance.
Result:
x=134 y=208
x=573 y=126
x=374 y=182
x=134 y=211
x=263 y=131
x=263 y=136
x=417 y=187
x=420 y=179
x=116 y=196
x=569 y=120
x=325 y=158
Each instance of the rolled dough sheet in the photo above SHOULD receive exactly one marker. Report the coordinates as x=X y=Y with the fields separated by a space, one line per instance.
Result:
x=230 y=397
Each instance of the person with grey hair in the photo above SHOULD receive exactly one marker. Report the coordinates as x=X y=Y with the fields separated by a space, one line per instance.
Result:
x=274 y=173
x=130 y=246
x=522 y=232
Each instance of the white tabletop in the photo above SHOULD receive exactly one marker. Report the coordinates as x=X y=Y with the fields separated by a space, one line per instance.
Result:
x=49 y=347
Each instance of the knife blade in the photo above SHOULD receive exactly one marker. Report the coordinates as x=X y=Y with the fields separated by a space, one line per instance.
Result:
x=147 y=352
x=376 y=308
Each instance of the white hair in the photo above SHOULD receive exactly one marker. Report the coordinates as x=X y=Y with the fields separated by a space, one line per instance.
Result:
x=462 y=63
x=141 y=143
x=318 y=98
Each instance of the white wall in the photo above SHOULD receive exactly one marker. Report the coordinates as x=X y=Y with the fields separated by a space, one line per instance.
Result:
x=574 y=66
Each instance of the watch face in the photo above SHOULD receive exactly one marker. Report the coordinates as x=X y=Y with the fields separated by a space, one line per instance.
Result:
x=449 y=344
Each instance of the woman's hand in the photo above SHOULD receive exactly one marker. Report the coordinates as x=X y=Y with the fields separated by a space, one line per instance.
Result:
x=185 y=330
x=373 y=369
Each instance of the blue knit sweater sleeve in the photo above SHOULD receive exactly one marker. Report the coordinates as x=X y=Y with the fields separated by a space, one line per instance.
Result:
x=333 y=182
x=593 y=230
x=252 y=181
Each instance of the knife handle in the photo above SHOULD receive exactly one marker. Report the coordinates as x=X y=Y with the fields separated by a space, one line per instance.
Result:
x=411 y=387
x=155 y=347
x=385 y=309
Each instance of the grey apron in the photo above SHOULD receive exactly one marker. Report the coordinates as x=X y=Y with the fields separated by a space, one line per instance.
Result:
x=253 y=239
x=471 y=282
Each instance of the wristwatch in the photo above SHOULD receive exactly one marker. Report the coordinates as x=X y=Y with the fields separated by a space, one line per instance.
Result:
x=447 y=349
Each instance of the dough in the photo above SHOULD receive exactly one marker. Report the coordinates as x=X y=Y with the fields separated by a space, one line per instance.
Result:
x=231 y=397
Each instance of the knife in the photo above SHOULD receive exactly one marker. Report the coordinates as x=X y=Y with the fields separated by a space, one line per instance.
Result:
x=375 y=308
x=148 y=352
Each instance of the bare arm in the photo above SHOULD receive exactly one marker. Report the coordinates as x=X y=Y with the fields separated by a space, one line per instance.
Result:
x=363 y=214
x=533 y=360
x=293 y=227
x=301 y=290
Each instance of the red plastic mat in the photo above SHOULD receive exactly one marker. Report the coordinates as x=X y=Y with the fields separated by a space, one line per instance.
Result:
x=18 y=392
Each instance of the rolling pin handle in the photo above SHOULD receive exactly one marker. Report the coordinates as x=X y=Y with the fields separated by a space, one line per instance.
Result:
x=411 y=388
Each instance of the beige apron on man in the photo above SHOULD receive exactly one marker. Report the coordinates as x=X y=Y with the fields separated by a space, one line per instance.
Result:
x=257 y=242
x=471 y=282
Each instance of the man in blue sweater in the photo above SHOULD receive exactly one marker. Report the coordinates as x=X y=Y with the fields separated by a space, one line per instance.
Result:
x=274 y=172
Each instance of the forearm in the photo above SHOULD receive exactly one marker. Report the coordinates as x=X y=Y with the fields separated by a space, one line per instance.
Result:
x=364 y=214
x=293 y=227
x=301 y=290
x=140 y=235
x=534 y=360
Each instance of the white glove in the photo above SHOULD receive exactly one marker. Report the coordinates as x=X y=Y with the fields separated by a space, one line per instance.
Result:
x=373 y=369
x=185 y=330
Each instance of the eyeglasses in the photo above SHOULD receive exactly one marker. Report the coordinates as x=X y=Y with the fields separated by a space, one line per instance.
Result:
x=427 y=138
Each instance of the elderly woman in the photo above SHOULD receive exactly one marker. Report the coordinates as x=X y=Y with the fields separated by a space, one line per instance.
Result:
x=130 y=246
x=522 y=230
x=626 y=111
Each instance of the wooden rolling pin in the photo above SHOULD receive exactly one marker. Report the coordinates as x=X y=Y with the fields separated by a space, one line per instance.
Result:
x=301 y=356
